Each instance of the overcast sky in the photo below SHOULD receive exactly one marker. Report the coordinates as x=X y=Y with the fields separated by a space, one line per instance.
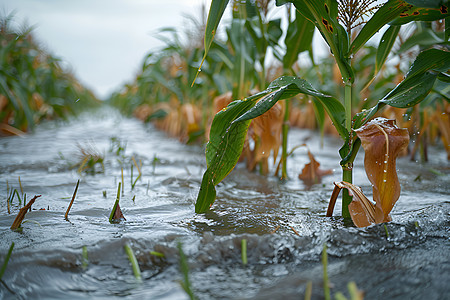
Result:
x=103 y=41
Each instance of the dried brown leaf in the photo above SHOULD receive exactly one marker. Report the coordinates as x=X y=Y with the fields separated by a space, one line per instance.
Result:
x=118 y=215
x=312 y=173
x=382 y=141
x=22 y=212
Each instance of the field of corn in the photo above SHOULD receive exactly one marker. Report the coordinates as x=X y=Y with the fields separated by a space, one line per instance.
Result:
x=280 y=127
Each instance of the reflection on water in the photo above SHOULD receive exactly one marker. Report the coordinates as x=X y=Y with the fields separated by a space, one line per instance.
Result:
x=284 y=223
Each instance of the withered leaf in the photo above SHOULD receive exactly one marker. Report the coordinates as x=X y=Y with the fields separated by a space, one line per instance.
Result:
x=22 y=212
x=118 y=215
x=382 y=141
x=312 y=173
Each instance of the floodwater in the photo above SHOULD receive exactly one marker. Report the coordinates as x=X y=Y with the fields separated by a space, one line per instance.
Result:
x=412 y=261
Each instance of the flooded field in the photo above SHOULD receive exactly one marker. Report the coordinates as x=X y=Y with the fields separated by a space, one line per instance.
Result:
x=283 y=223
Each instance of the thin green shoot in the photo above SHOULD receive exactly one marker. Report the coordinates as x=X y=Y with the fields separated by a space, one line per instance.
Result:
x=71 y=202
x=18 y=197
x=131 y=177
x=308 y=291
x=386 y=230
x=137 y=167
x=154 y=161
x=111 y=216
x=8 y=204
x=158 y=254
x=5 y=262
x=326 y=283
x=185 y=284
x=133 y=260
x=84 y=258
x=20 y=185
x=122 y=181
x=134 y=198
x=133 y=183
x=104 y=194
x=416 y=224
x=32 y=221
x=355 y=294
x=244 y=251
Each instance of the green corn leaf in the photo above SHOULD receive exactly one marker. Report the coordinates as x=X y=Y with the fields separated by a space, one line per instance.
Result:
x=223 y=149
x=289 y=86
x=214 y=16
x=320 y=14
x=419 y=81
x=427 y=3
x=385 y=46
x=319 y=112
x=298 y=39
x=229 y=129
x=447 y=29
x=385 y=14
x=422 y=14
x=423 y=39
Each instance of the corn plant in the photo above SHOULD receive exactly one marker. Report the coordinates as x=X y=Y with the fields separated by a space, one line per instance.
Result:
x=33 y=85
x=336 y=21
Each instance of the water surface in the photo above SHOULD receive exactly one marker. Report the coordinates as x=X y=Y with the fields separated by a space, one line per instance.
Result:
x=284 y=223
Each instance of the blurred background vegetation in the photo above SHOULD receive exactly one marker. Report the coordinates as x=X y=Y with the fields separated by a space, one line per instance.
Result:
x=33 y=84
x=253 y=50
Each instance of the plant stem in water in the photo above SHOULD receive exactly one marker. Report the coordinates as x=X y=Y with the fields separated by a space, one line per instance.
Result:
x=133 y=260
x=84 y=258
x=71 y=202
x=5 y=263
x=347 y=169
x=285 y=130
x=326 y=287
x=244 y=251
x=185 y=284
x=111 y=216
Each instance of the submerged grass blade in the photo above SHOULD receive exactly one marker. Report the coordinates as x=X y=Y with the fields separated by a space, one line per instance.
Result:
x=326 y=283
x=244 y=251
x=185 y=284
x=84 y=258
x=133 y=260
x=5 y=262
x=71 y=202
x=308 y=291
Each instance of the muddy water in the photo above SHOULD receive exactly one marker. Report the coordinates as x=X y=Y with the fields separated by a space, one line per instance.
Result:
x=412 y=261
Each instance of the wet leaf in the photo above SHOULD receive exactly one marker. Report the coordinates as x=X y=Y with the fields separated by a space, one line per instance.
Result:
x=267 y=128
x=312 y=173
x=226 y=140
x=215 y=14
x=388 y=12
x=289 y=86
x=298 y=39
x=419 y=81
x=385 y=46
x=382 y=141
x=362 y=211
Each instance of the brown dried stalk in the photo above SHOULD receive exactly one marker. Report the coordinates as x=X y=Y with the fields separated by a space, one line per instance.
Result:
x=71 y=202
x=22 y=212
